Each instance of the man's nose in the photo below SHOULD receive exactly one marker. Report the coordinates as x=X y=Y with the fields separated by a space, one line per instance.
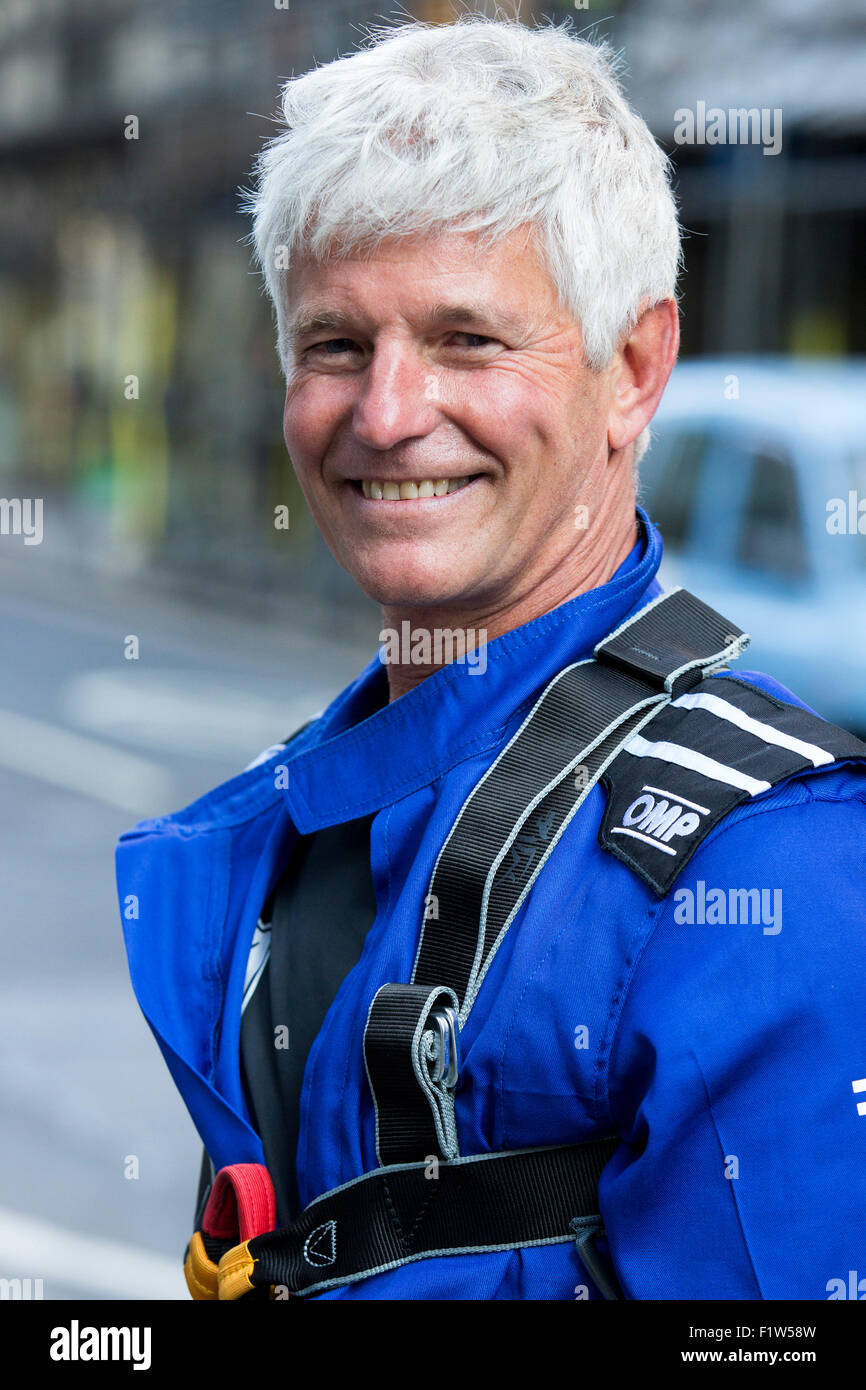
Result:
x=398 y=397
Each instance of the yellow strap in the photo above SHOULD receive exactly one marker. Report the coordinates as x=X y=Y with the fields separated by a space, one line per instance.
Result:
x=202 y=1275
x=235 y=1269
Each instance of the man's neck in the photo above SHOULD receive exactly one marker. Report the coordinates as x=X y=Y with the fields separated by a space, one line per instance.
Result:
x=414 y=631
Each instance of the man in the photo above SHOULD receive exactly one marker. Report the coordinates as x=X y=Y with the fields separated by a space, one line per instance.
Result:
x=471 y=245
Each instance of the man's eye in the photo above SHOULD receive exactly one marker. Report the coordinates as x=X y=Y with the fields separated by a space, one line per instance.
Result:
x=477 y=339
x=333 y=346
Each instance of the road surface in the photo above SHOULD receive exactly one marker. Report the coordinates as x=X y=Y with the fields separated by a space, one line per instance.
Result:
x=90 y=742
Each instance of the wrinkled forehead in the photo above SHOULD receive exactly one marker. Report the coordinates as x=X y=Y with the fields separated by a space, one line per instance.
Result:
x=443 y=276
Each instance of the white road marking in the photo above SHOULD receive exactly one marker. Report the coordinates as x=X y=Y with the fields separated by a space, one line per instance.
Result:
x=84 y=765
x=34 y=1249
x=185 y=712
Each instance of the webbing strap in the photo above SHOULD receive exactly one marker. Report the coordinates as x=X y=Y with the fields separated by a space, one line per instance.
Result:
x=410 y=1212
x=416 y=1115
x=516 y=813
x=240 y=1205
x=505 y=832
x=673 y=642
x=241 y=1201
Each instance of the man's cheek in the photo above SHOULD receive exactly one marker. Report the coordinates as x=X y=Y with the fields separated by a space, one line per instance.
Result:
x=303 y=434
x=307 y=418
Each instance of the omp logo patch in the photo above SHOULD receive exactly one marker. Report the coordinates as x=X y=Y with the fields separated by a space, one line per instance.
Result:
x=658 y=816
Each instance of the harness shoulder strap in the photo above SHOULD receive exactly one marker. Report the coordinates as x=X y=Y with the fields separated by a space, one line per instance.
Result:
x=505 y=832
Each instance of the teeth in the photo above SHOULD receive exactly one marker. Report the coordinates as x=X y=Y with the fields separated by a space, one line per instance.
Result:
x=407 y=492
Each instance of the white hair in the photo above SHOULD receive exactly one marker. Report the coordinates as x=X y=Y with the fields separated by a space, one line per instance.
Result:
x=481 y=126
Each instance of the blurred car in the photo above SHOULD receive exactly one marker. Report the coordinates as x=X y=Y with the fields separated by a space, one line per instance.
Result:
x=755 y=478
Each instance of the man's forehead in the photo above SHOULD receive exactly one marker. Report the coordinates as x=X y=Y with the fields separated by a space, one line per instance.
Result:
x=435 y=282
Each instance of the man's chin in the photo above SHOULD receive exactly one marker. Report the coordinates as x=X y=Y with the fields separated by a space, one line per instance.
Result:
x=433 y=587
x=420 y=596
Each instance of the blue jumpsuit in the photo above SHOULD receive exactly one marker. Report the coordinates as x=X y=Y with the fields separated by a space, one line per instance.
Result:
x=725 y=1056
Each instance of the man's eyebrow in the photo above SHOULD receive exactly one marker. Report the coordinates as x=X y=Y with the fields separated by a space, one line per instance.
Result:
x=316 y=321
x=483 y=315
x=333 y=321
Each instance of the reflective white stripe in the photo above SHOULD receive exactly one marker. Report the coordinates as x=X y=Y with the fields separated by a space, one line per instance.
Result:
x=260 y=950
x=675 y=796
x=637 y=835
x=724 y=710
x=687 y=757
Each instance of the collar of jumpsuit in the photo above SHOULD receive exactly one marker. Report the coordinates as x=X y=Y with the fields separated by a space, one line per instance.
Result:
x=355 y=763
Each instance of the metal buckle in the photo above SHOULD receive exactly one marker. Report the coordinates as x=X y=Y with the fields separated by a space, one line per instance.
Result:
x=446 y=1064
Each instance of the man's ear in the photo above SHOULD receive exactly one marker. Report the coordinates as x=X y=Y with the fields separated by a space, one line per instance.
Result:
x=643 y=363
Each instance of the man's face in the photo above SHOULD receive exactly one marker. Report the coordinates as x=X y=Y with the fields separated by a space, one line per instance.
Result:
x=428 y=363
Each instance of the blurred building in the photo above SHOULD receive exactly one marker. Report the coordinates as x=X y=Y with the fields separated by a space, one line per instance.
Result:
x=139 y=389
x=774 y=253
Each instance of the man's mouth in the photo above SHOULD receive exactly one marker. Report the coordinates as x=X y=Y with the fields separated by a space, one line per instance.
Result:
x=378 y=490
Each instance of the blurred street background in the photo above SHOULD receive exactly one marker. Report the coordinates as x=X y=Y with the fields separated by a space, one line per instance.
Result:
x=140 y=398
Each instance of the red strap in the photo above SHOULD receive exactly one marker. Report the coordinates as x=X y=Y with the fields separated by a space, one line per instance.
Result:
x=241 y=1203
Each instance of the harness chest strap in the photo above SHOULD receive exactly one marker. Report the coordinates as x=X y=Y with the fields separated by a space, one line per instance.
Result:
x=407 y=1212
x=585 y=726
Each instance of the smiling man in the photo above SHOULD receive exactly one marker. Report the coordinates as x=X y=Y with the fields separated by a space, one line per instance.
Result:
x=537 y=984
x=448 y=433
